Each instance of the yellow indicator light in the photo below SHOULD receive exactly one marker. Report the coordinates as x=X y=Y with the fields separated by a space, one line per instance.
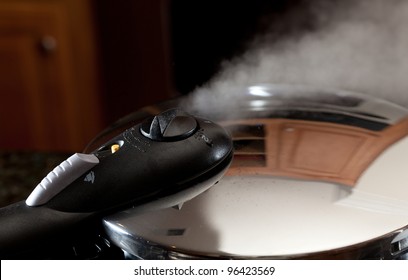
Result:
x=115 y=148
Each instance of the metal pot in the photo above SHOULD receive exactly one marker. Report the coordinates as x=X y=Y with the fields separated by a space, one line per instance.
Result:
x=317 y=174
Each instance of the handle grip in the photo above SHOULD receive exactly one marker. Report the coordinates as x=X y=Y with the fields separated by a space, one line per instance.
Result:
x=25 y=228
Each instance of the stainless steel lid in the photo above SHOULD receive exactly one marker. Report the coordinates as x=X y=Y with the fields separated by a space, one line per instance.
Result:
x=316 y=173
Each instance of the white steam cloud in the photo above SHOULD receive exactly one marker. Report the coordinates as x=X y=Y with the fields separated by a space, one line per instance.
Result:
x=362 y=47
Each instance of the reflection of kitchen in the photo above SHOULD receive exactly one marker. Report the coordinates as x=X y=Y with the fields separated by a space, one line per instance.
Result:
x=308 y=149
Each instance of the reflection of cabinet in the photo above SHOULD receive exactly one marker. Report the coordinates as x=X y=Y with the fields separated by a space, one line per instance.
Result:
x=47 y=75
x=325 y=151
x=306 y=149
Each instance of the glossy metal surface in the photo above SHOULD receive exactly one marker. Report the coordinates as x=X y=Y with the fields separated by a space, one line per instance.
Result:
x=316 y=174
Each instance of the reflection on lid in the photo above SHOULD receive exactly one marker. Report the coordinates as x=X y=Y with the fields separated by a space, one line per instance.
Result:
x=301 y=97
x=307 y=149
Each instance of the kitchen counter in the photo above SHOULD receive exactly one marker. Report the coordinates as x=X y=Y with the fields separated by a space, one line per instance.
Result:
x=20 y=172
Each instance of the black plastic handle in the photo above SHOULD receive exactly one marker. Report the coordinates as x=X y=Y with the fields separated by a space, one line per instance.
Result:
x=168 y=159
x=24 y=229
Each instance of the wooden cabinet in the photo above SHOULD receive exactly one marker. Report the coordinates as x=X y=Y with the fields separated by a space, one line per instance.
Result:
x=48 y=75
x=308 y=149
x=69 y=68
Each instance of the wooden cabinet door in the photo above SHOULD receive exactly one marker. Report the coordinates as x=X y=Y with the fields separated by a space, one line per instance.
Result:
x=20 y=108
x=43 y=106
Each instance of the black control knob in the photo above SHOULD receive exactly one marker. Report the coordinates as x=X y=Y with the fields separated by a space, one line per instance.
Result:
x=171 y=125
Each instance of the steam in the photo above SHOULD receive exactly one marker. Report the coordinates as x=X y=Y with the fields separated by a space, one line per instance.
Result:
x=361 y=47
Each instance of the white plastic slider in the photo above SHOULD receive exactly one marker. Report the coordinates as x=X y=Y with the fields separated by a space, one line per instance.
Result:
x=59 y=178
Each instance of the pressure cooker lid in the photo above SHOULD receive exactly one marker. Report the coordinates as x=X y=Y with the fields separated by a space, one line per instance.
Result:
x=313 y=171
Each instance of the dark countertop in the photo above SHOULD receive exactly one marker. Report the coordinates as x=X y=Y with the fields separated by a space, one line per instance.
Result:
x=20 y=172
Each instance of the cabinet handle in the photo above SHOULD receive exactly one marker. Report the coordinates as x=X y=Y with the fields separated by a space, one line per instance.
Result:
x=48 y=44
